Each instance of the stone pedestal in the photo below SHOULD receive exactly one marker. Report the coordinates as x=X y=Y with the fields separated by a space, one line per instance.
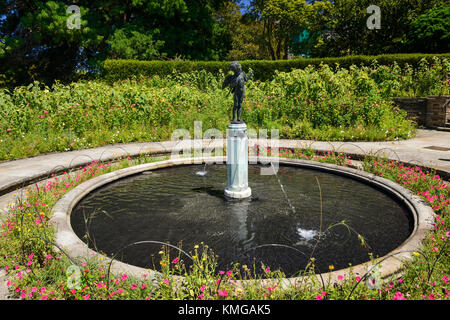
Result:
x=237 y=162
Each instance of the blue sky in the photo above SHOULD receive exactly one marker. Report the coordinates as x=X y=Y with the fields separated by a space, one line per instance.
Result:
x=243 y=3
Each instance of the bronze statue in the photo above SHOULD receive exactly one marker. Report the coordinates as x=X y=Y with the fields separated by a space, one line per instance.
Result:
x=236 y=82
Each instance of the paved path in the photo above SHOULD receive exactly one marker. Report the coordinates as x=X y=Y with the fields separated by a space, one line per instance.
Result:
x=414 y=150
x=19 y=173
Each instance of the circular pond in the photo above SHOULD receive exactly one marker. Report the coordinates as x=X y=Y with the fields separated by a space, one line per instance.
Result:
x=287 y=220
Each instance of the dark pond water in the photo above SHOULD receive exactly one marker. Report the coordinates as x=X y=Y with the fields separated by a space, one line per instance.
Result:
x=177 y=206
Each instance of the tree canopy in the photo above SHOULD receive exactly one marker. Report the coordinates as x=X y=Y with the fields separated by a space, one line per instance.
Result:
x=36 y=42
x=431 y=30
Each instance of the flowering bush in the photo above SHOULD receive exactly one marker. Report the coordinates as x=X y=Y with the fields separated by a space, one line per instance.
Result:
x=426 y=184
x=313 y=103
x=426 y=276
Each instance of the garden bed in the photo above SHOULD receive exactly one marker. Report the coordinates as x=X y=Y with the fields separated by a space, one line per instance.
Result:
x=315 y=103
x=36 y=271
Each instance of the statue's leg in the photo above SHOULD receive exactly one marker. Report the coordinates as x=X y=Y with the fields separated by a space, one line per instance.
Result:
x=239 y=106
x=235 y=107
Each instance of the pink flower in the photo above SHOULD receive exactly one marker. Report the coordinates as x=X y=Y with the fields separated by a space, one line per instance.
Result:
x=267 y=270
x=124 y=277
x=100 y=285
x=29 y=263
x=447 y=233
x=222 y=293
x=73 y=291
x=319 y=297
x=358 y=278
x=398 y=296
x=44 y=298
x=30 y=257
x=86 y=297
x=201 y=296
x=166 y=281
x=202 y=288
x=270 y=289
x=143 y=286
x=340 y=277
x=175 y=261
x=134 y=286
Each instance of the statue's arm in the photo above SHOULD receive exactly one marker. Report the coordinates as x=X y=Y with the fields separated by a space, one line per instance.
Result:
x=249 y=76
x=226 y=82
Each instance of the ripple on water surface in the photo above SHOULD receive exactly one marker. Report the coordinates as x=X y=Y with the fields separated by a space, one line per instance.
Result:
x=176 y=205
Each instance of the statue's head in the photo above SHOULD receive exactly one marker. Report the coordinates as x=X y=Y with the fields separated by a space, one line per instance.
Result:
x=235 y=67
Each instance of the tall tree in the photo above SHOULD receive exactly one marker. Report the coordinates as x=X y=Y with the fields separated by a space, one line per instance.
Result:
x=36 y=43
x=241 y=32
x=347 y=32
x=430 y=32
x=284 y=19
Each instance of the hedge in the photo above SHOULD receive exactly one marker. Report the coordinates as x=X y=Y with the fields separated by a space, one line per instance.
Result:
x=264 y=69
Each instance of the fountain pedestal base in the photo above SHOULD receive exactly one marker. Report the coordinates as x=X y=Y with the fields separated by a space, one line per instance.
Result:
x=237 y=162
x=240 y=194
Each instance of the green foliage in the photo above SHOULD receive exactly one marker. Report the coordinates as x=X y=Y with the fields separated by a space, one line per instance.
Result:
x=36 y=44
x=344 y=30
x=245 y=34
x=319 y=103
x=35 y=270
x=263 y=69
x=126 y=44
x=431 y=31
x=284 y=19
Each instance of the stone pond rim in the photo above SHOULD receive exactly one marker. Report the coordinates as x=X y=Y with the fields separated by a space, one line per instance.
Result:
x=391 y=263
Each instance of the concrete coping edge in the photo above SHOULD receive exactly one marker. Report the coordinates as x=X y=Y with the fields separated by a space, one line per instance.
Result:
x=388 y=265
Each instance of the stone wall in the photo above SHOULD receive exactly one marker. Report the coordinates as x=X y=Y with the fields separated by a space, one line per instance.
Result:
x=447 y=114
x=416 y=108
x=431 y=112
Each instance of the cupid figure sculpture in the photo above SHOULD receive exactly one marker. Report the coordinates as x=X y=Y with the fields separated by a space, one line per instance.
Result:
x=236 y=82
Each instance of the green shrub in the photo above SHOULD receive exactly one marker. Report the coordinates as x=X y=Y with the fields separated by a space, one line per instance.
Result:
x=320 y=103
x=264 y=69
